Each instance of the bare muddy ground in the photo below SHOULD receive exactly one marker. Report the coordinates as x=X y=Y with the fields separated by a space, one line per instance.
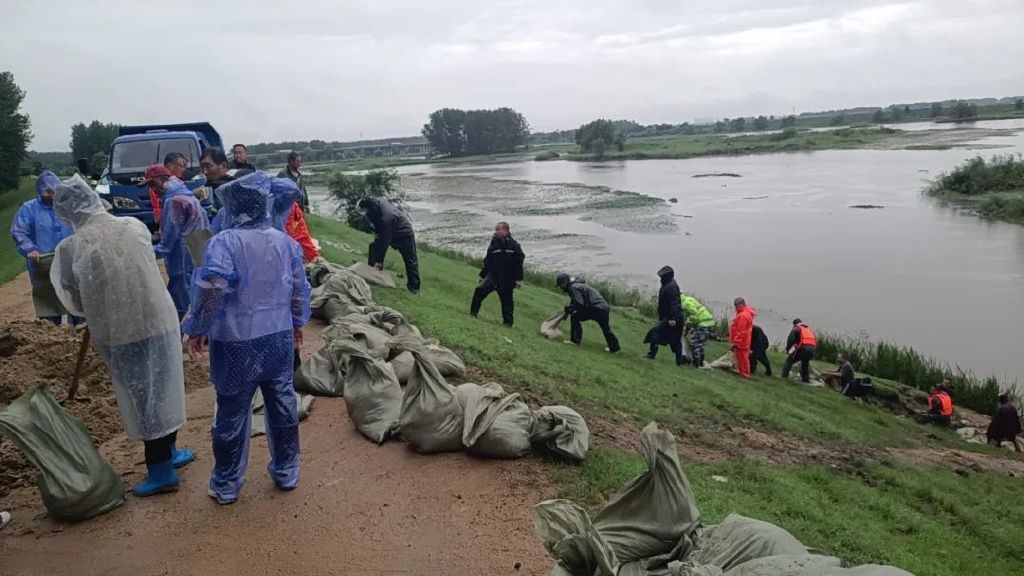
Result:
x=359 y=509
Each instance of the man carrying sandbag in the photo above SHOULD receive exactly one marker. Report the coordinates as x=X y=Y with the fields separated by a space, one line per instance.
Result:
x=250 y=298
x=391 y=229
x=586 y=303
x=502 y=272
x=107 y=272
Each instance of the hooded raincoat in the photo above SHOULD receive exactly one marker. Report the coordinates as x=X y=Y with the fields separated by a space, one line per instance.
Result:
x=107 y=272
x=37 y=228
x=741 y=332
x=182 y=215
x=247 y=297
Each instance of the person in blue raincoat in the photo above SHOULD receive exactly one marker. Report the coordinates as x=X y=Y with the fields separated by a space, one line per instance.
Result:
x=250 y=299
x=283 y=194
x=182 y=215
x=37 y=230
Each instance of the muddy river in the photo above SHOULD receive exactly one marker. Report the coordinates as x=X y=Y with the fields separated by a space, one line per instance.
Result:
x=779 y=230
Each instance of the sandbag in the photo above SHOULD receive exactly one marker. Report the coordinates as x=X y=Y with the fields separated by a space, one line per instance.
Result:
x=343 y=285
x=402 y=365
x=75 y=482
x=572 y=540
x=392 y=322
x=304 y=404
x=651 y=514
x=867 y=570
x=373 y=396
x=373 y=339
x=739 y=539
x=549 y=327
x=561 y=430
x=723 y=362
x=787 y=565
x=447 y=362
x=496 y=425
x=431 y=418
x=372 y=275
x=321 y=374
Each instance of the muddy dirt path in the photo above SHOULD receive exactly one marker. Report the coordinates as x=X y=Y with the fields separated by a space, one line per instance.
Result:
x=359 y=509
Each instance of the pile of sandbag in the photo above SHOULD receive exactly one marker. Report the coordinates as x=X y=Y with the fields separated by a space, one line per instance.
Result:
x=393 y=381
x=652 y=527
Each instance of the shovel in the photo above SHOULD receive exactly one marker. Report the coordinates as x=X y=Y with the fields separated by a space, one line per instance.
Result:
x=82 y=348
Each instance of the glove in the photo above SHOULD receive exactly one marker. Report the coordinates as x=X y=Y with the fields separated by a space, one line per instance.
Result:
x=569 y=310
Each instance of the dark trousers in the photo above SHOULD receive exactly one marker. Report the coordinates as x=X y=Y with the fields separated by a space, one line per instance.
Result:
x=803 y=355
x=760 y=357
x=677 y=348
x=599 y=315
x=161 y=449
x=505 y=291
x=406 y=246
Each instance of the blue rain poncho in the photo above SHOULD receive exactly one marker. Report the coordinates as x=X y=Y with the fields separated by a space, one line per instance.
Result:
x=36 y=227
x=107 y=272
x=182 y=215
x=283 y=193
x=247 y=297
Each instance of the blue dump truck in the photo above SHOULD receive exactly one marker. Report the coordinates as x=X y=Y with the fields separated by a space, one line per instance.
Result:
x=137 y=147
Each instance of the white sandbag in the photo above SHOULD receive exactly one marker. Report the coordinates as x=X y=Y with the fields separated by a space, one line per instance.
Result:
x=561 y=430
x=373 y=396
x=402 y=365
x=739 y=539
x=571 y=539
x=549 y=327
x=431 y=418
x=373 y=339
x=447 y=362
x=786 y=565
x=321 y=374
x=651 y=514
x=372 y=275
x=496 y=424
x=723 y=362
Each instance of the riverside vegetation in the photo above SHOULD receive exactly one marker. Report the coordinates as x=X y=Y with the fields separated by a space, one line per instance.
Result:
x=994 y=187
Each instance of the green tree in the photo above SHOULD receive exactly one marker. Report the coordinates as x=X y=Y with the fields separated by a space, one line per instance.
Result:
x=878 y=116
x=460 y=132
x=595 y=136
x=761 y=123
x=348 y=189
x=936 y=109
x=839 y=119
x=964 y=111
x=1019 y=104
x=737 y=124
x=896 y=112
x=15 y=131
x=89 y=141
x=788 y=121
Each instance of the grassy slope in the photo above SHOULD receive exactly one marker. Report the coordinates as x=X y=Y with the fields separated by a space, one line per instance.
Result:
x=928 y=521
x=11 y=263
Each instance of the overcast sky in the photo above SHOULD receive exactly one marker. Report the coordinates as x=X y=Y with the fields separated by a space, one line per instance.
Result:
x=334 y=70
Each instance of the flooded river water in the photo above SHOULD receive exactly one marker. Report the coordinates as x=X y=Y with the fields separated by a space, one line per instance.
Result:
x=782 y=234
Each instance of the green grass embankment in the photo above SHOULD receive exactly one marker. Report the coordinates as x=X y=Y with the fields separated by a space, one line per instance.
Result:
x=929 y=521
x=11 y=263
x=994 y=188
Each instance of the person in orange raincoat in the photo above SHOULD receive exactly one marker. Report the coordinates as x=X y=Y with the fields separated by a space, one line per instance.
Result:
x=740 y=333
x=297 y=229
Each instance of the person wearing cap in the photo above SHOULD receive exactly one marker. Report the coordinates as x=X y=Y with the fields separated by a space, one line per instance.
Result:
x=800 y=347
x=671 y=318
x=154 y=179
x=182 y=215
x=586 y=303
x=36 y=230
x=250 y=301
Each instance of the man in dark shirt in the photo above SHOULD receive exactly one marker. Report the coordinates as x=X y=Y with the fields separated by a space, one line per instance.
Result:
x=1005 y=425
x=240 y=158
x=759 y=345
x=292 y=171
x=391 y=229
x=502 y=272
x=217 y=170
x=842 y=378
x=586 y=303
x=671 y=318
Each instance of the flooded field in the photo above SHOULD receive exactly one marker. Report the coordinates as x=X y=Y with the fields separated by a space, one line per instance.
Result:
x=778 y=229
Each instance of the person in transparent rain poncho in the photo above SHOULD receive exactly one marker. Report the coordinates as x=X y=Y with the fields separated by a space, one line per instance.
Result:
x=181 y=216
x=250 y=299
x=107 y=272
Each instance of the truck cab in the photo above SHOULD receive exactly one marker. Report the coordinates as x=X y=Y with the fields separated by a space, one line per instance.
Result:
x=137 y=147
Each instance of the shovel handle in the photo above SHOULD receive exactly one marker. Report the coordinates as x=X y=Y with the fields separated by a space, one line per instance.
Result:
x=73 y=388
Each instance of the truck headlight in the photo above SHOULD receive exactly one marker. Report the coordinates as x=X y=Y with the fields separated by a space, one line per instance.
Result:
x=122 y=203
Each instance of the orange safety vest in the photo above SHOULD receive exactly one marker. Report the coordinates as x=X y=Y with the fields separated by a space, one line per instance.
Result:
x=807 y=337
x=945 y=403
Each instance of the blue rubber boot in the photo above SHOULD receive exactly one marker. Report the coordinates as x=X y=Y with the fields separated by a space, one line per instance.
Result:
x=181 y=458
x=162 y=478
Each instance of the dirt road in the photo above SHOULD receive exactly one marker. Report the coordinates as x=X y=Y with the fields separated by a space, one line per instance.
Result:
x=359 y=509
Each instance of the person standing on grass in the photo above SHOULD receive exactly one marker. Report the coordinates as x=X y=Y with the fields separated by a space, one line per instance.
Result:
x=671 y=318
x=740 y=334
x=502 y=272
x=36 y=230
x=759 y=345
x=391 y=229
x=293 y=173
x=107 y=272
x=1005 y=425
x=586 y=303
x=700 y=323
x=800 y=347
x=250 y=300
